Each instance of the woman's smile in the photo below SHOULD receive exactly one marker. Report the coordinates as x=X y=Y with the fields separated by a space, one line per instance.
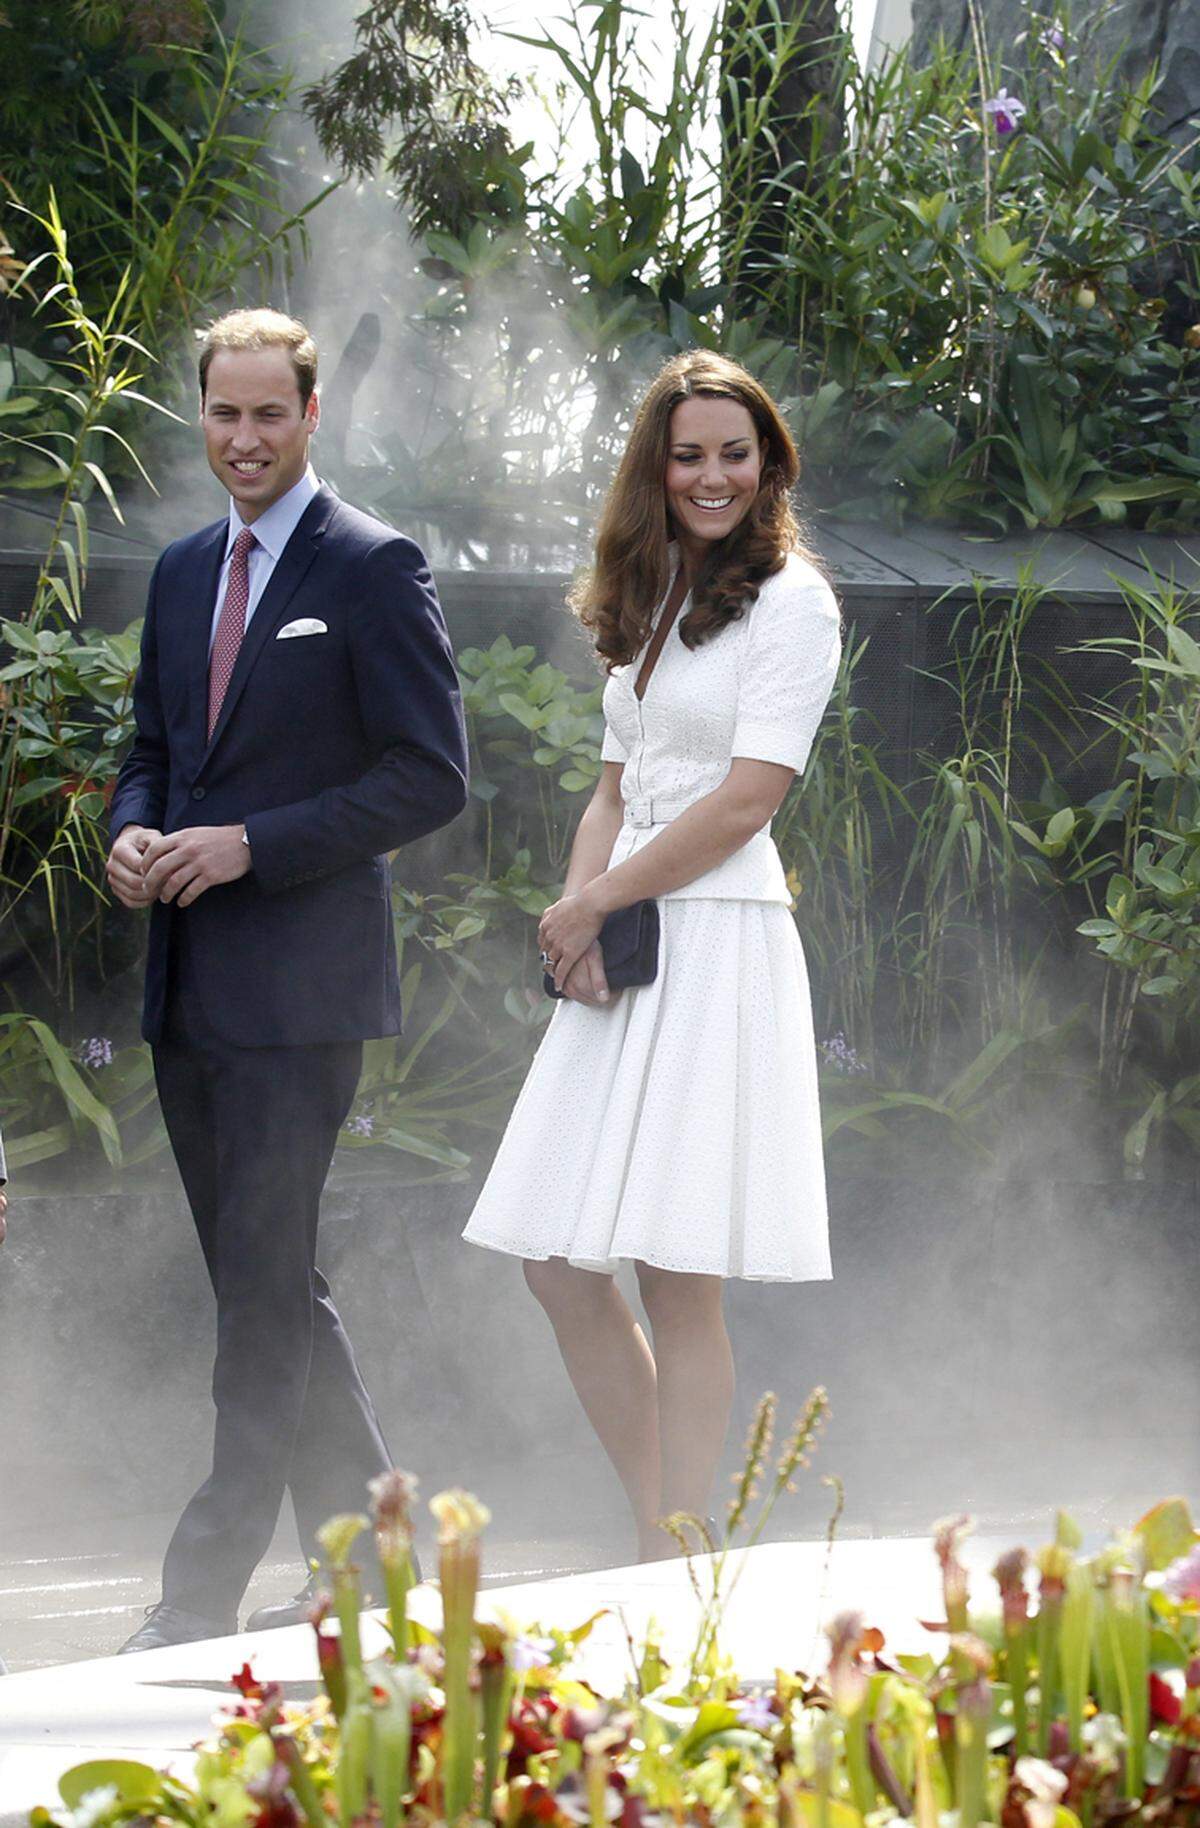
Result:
x=714 y=466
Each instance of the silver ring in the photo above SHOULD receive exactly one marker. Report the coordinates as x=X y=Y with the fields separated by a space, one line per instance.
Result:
x=545 y=958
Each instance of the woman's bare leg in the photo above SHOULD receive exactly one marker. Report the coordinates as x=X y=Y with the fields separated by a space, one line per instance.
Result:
x=694 y=1363
x=609 y=1364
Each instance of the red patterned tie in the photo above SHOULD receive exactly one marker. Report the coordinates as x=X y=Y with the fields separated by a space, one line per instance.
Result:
x=231 y=626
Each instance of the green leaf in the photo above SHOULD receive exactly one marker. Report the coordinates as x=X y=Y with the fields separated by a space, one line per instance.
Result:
x=1121 y=898
x=38 y=1146
x=995 y=248
x=823 y=1812
x=1185 y=650
x=1167 y=1531
x=526 y=715
x=430 y=1148
x=1137 y=1137
x=963 y=1088
x=105 y=487
x=168 y=132
x=78 y=1095
x=133 y=1782
x=714 y=1717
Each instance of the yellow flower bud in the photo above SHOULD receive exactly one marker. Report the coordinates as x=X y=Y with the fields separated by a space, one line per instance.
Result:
x=337 y=1537
x=460 y=1516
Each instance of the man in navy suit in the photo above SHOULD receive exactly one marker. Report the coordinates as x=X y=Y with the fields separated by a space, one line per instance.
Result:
x=298 y=717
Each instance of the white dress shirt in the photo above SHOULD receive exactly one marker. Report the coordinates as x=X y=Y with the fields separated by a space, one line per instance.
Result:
x=272 y=531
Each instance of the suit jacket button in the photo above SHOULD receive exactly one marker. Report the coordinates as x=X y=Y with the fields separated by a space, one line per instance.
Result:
x=197 y=793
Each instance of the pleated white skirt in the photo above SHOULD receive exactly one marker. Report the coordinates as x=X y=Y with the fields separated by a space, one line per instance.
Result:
x=678 y=1126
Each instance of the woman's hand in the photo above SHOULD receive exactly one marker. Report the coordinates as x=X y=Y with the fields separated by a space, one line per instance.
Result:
x=566 y=931
x=586 y=982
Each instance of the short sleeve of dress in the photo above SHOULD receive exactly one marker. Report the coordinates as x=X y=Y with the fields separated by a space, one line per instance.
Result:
x=789 y=669
x=612 y=749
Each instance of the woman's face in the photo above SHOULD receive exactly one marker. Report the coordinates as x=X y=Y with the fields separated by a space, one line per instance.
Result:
x=714 y=463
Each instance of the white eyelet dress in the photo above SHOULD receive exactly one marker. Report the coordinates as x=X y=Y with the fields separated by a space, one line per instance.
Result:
x=679 y=1125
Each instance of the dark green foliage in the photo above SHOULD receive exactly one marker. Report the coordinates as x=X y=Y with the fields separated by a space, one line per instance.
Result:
x=964 y=325
x=150 y=128
x=410 y=101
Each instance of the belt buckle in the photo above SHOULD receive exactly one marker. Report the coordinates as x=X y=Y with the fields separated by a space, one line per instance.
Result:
x=640 y=813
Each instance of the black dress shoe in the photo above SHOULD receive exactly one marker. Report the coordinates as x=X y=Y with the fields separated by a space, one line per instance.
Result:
x=296 y=1611
x=170 y=1625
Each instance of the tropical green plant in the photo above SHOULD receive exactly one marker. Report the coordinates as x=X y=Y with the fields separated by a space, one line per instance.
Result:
x=971 y=314
x=65 y=715
x=575 y=278
x=1136 y=848
x=412 y=70
x=153 y=131
x=1078 y=1709
x=57 y=1101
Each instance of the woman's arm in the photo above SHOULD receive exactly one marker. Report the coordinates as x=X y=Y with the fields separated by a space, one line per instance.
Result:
x=595 y=835
x=597 y=831
x=697 y=841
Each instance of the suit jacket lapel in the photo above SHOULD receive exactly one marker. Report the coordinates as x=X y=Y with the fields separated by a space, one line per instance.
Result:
x=285 y=580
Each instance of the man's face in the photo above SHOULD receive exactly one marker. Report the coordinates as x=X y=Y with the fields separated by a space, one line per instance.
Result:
x=256 y=432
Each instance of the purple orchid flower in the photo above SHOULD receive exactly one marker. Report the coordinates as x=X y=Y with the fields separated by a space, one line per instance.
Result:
x=837 y=1053
x=755 y=1711
x=530 y=1653
x=1181 y=1582
x=1006 y=110
x=362 y=1125
x=1053 y=38
x=95 y=1052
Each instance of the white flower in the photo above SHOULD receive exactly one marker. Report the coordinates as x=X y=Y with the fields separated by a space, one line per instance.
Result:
x=1104 y=1737
x=93 y=1806
x=1045 y=1786
x=530 y=1653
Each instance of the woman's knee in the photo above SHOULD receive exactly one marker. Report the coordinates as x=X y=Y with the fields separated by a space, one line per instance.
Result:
x=671 y=1297
x=557 y=1284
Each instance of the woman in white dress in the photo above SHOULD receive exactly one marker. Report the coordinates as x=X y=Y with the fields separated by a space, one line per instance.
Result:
x=677 y=1124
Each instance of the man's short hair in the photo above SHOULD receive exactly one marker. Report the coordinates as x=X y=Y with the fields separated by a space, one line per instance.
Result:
x=263 y=329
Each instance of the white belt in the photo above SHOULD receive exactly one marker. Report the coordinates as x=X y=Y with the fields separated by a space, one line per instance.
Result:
x=642 y=810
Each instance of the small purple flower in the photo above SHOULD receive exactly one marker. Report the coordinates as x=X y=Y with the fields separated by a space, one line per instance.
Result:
x=755 y=1711
x=1053 y=38
x=96 y=1051
x=1006 y=110
x=362 y=1125
x=1181 y=1582
x=837 y=1053
x=530 y=1653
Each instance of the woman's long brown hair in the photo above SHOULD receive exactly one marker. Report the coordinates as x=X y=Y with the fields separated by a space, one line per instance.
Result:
x=616 y=600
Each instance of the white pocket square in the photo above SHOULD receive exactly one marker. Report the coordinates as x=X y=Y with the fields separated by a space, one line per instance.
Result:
x=307 y=625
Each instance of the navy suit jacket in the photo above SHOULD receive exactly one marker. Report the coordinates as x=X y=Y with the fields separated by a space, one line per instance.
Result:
x=333 y=749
